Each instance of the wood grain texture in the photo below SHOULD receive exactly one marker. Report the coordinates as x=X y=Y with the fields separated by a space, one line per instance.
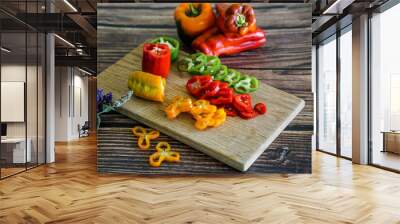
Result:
x=284 y=63
x=237 y=143
x=72 y=191
x=117 y=152
x=288 y=28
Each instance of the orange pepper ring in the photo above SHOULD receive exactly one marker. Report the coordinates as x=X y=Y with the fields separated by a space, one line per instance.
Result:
x=163 y=153
x=144 y=137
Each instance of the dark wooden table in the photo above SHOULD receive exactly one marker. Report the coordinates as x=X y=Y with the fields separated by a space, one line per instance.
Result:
x=285 y=63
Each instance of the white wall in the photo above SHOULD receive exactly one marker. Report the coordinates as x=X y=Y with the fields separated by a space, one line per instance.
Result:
x=70 y=83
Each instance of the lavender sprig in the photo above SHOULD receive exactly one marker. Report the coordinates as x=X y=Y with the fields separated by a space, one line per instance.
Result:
x=114 y=106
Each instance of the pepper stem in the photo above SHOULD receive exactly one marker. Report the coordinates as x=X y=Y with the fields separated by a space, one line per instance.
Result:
x=241 y=20
x=193 y=11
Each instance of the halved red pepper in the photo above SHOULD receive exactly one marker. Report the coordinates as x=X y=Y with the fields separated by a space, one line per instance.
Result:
x=242 y=103
x=196 y=84
x=156 y=59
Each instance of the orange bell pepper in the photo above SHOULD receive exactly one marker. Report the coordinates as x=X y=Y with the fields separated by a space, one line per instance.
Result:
x=163 y=153
x=144 y=136
x=179 y=104
x=192 y=19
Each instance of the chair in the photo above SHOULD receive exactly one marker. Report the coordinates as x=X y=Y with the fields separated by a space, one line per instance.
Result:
x=84 y=130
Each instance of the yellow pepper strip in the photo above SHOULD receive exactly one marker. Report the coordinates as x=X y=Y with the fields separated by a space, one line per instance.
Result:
x=163 y=153
x=144 y=136
x=179 y=104
x=203 y=112
x=147 y=85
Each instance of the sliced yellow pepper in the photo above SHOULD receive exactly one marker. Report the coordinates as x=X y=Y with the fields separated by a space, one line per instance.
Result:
x=203 y=112
x=144 y=136
x=147 y=85
x=179 y=104
x=219 y=117
x=202 y=109
x=163 y=153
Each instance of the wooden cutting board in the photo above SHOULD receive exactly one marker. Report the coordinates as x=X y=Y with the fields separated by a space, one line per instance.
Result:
x=237 y=143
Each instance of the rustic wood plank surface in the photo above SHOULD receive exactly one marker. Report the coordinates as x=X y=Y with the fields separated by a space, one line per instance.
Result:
x=122 y=27
x=284 y=63
x=118 y=153
x=237 y=143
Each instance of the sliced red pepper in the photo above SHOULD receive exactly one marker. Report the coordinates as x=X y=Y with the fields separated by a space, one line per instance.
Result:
x=224 y=96
x=242 y=103
x=223 y=85
x=247 y=115
x=196 y=84
x=212 y=89
x=230 y=110
x=156 y=59
x=260 y=108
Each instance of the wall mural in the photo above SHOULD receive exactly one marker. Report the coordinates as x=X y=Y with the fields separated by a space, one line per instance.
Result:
x=217 y=88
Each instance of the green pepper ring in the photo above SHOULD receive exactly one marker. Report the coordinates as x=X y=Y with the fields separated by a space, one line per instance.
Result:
x=247 y=84
x=221 y=73
x=232 y=77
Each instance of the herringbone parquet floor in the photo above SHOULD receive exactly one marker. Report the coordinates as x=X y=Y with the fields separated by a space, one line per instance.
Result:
x=70 y=191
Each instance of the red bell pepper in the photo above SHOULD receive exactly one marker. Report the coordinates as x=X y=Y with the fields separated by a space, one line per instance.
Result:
x=212 y=89
x=224 y=97
x=196 y=84
x=237 y=19
x=242 y=103
x=220 y=94
x=230 y=110
x=215 y=43
x=156 y=59
x=247 y=115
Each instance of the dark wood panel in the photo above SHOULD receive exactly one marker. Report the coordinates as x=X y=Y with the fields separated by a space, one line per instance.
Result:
x=285 y=49
x=118 y=152
x=288 y=40
x=269 y=16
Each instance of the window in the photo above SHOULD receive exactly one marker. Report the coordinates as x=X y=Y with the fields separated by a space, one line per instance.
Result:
x=22 y=77
x=326 y=99
x=385 y=89
x=335 y=108
x=346 y=75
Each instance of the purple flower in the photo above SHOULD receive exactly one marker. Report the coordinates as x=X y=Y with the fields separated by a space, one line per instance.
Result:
x=99 y=96
x=102 y=99
x=107 y=99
